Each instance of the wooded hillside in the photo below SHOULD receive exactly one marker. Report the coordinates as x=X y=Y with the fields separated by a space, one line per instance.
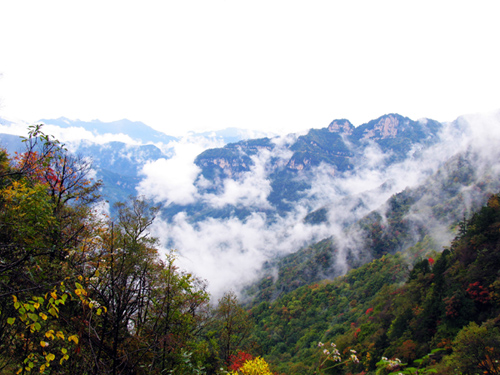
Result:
x=85 y=293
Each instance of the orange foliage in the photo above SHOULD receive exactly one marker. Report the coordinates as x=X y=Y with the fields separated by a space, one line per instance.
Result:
x=236 y=361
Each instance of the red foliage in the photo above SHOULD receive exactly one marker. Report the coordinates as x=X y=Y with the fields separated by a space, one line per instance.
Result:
x=431 y=261
x=478 y=292
x=369 y=311
x=357 y=332
x=236 y=361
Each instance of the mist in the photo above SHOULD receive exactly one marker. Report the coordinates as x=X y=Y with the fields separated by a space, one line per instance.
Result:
x=230 y=253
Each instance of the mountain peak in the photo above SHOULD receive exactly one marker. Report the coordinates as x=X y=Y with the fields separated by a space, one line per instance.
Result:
x=386 y=126
x=341 y=126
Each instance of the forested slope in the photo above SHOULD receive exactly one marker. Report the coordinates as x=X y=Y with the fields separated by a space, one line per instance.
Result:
x=425 y=214
x=448 y=303
x=85 y=293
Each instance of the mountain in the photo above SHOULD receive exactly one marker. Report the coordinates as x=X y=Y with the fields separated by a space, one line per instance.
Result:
x=289 y=165
x=119 y=164
x=136 y=130
x=440 y=303
x=230 y=135
x=381 y=238
x=343 y=193
x=428 y=214
x=116 y=164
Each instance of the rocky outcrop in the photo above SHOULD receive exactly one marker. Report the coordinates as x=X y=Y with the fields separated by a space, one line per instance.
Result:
x=387 y=127
x=341 y=126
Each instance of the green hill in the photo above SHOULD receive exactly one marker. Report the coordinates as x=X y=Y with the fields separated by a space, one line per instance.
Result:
x=391 y=307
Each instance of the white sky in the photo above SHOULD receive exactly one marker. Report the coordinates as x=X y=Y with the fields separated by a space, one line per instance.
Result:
x=282 y=66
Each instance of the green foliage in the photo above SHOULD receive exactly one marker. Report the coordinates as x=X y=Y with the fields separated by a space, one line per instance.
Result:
x=476 y=349
x=87 y=294
x=371 y=310
x=81 y=293
x=288 y=328
x=308 y=265
x=231 y=326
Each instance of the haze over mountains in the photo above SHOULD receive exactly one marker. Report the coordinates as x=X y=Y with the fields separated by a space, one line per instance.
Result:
x=235 y=207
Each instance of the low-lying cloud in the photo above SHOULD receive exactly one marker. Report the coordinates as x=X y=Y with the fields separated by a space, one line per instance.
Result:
x=230 y=253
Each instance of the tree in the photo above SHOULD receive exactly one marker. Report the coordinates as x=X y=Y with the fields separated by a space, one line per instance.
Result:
x=81 y=293
x=153 y=309
x=232 y=324
x=476 y=349
x=38 y=251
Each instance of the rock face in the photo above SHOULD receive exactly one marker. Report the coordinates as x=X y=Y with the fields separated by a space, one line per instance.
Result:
x=335 y=145
x=387 y=127
x=231 y=160
x=339 y=146
x=341 y=126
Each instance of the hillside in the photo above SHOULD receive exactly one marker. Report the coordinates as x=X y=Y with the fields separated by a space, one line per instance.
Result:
x=395 y=309
x=429 y=212
x=256 y=208
x=358 y=262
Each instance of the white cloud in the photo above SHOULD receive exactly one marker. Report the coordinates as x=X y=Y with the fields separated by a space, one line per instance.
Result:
x=172 y=180
x=230 y=252
x=249 y=190
x=74 y=135
x=71 y=136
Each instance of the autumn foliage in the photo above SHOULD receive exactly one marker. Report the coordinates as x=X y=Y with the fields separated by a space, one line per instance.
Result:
x=84 y=291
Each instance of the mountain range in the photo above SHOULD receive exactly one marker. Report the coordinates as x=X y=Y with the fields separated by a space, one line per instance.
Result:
x=266 y=209
x=354 y=250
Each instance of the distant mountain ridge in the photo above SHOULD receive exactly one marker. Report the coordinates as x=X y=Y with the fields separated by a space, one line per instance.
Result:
x=343 y=188
x=340 y=146
x=135 y=129
x=119 y=164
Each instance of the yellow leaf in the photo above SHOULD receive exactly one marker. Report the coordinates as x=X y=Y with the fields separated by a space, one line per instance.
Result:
x=60 y=335
x=43 y=316
x=73 y=338
x=64 y=358
x=36 y=305
x=43 y=344
x=53 y=312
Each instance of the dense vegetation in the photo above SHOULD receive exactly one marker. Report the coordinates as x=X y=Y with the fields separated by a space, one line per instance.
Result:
x=84 y=293
x=87 y=294
x=448 y=305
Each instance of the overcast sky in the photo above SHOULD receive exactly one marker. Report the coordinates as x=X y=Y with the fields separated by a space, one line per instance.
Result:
x=283 y=66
